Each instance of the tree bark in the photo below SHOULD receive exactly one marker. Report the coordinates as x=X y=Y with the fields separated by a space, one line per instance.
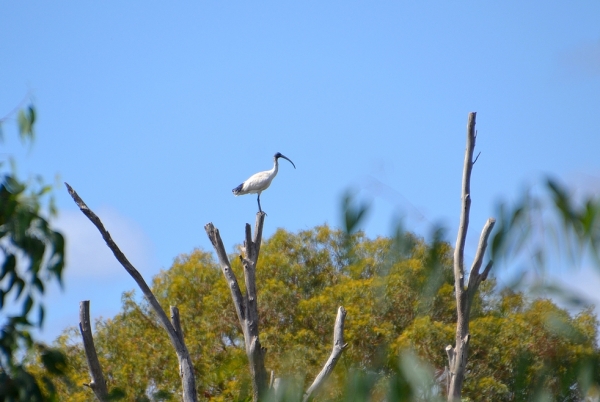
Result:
x=97 y=383
x=186 y=368
x=457 y=355
x=246 y=305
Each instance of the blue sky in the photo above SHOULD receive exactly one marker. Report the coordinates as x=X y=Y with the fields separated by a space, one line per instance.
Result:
x=154 y=112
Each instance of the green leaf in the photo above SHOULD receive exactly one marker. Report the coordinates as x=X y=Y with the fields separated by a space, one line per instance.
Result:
x=353 y=215
x=44 y=190
x=38 y=284
x=54 y=361
x=116 y=394
x=27 y=305
x=31 y=111
x=20 y=285
x=26 y=121
x=9 y=265
x=561 y=200
x=41 y=315
x=12 y=277
x=13 y=186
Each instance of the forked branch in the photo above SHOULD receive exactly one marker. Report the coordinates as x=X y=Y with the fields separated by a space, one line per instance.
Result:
x=246 y=305
x=186 y=368
x=475 y=278
x=457 y=355
x=234 y=287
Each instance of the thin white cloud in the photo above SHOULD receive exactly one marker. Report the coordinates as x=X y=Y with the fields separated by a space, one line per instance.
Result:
x=89 y=257
x=92 y=271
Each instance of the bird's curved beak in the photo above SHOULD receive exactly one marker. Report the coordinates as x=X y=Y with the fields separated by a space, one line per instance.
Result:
x=285 y=157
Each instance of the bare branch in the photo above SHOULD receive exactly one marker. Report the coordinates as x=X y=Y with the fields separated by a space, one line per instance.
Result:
x=258 y=229
x=236 y=293
x=336 y=353
x=450 y=353
x=176 y=322
x=186 y=368
x=459 y=250
x=251 y=298
x=147 y=319
x=98 y=383
x=474 y=277
x=250 y=272
x=124 y=262
x=250 y=278
x=252 y=248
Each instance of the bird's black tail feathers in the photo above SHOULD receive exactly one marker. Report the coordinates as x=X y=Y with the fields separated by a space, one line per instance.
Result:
x=237 y=189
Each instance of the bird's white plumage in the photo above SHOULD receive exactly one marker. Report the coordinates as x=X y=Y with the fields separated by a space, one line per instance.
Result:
x=259 y=182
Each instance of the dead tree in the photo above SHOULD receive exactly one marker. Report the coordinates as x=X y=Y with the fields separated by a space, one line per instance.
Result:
x=457 y=355
x=97 y=383
x=246 y=307
x=172 y=327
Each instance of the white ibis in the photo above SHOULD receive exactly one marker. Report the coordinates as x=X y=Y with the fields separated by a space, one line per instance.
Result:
x=259 y=182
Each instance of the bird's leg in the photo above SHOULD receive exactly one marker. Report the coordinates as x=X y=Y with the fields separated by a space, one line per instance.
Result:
x=258 y=199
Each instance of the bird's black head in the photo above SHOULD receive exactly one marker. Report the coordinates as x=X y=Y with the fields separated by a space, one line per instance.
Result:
x=280 y=155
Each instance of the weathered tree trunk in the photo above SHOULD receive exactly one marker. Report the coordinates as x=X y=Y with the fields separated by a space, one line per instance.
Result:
x=457 y=355
x=173 y=328
x=97 y=383
x=246 y=306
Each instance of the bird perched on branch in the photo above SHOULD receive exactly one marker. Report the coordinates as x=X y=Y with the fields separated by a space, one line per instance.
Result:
x=259 y=182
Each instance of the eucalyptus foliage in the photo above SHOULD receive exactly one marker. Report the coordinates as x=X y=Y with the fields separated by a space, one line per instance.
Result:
x=401 y=314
